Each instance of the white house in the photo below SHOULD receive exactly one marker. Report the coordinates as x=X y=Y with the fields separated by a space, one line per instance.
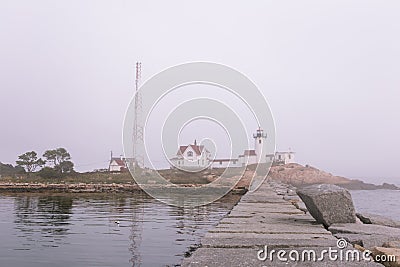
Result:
x=119 y=164
x=192 y=157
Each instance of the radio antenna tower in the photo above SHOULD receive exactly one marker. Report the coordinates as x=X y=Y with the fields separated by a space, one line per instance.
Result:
x=137 y=126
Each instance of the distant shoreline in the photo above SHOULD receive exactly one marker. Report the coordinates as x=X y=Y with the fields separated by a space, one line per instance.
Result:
x=87 y=188
x=290 y=174
x=69 y=188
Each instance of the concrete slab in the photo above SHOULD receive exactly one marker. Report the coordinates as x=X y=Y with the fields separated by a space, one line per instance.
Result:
x=248 y=257
x=273 y=218
x=268 y=228
x=273 y=243
x=327 y=235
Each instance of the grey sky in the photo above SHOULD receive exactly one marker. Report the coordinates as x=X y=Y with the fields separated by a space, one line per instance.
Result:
x=329 y=69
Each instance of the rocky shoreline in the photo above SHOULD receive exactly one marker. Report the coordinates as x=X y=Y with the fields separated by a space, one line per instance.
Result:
x=92 y=188
x=298 y=175
x=332 y=207
x=69 y=188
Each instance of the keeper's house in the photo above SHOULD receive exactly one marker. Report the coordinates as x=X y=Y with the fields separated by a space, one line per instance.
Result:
x=192 y=156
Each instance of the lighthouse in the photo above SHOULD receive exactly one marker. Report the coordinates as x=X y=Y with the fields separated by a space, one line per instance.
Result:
x=259 y=140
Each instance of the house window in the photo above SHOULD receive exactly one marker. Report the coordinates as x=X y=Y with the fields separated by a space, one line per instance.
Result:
x=290 y=156
x=220 y=163
x=190 y=154
x=259 y=141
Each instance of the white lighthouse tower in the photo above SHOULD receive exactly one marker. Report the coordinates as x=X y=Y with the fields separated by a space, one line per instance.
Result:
x=259 y=140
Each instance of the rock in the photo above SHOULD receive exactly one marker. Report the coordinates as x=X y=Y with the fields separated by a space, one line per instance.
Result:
x=367 y=241
x=359 y=221
x=291 y=192
x=390 y=256
x=300 y=205
x=281 y=192
x=369 y=218
x=389 y=186
x=391 y=244
x=291 y=198
x=366 y=235
x=359 y=247
x=368 y=229
x=328 y=204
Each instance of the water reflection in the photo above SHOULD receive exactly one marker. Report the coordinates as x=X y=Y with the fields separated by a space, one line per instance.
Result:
x=81 y=230
x=43 y=219
x=136 y=232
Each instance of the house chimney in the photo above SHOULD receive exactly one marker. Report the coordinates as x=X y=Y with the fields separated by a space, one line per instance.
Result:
x=195 y=142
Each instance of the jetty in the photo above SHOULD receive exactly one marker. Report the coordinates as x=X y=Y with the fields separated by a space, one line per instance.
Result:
x=262 y=224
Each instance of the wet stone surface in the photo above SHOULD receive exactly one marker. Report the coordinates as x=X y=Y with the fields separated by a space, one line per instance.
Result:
x=264 y=219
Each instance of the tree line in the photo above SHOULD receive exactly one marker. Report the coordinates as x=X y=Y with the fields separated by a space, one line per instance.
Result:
x=55 y=162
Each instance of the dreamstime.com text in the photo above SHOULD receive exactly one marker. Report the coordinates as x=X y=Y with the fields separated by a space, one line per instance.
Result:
x=331 y=254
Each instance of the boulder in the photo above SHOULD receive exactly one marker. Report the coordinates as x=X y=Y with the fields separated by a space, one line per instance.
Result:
x=369 y=218
x=328 y=204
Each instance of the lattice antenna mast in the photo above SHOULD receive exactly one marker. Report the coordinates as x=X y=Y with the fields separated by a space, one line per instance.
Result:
x=137 y=126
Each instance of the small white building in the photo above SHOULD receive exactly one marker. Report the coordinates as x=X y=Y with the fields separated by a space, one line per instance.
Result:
x=248 y=157
x=120 y=164
x=117 y=165
x=192 y=157
x=282 y=157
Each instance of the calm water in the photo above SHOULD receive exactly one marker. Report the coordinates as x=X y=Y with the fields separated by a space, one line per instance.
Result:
x=80 y=230
x=75 y=230
x=382 y=202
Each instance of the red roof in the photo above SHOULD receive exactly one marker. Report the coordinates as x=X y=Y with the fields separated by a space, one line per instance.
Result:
x=119 y=161
x=197 y=149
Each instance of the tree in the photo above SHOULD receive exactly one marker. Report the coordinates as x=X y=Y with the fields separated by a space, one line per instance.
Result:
x=30 y=161
x=57 y=156
x=65 y=167
x=60 y=159
x=50 y=156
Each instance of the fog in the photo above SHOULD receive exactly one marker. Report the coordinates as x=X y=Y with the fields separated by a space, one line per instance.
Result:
x=329 y=70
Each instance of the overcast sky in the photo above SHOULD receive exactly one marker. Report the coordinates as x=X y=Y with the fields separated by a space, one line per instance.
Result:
x=329 y=69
